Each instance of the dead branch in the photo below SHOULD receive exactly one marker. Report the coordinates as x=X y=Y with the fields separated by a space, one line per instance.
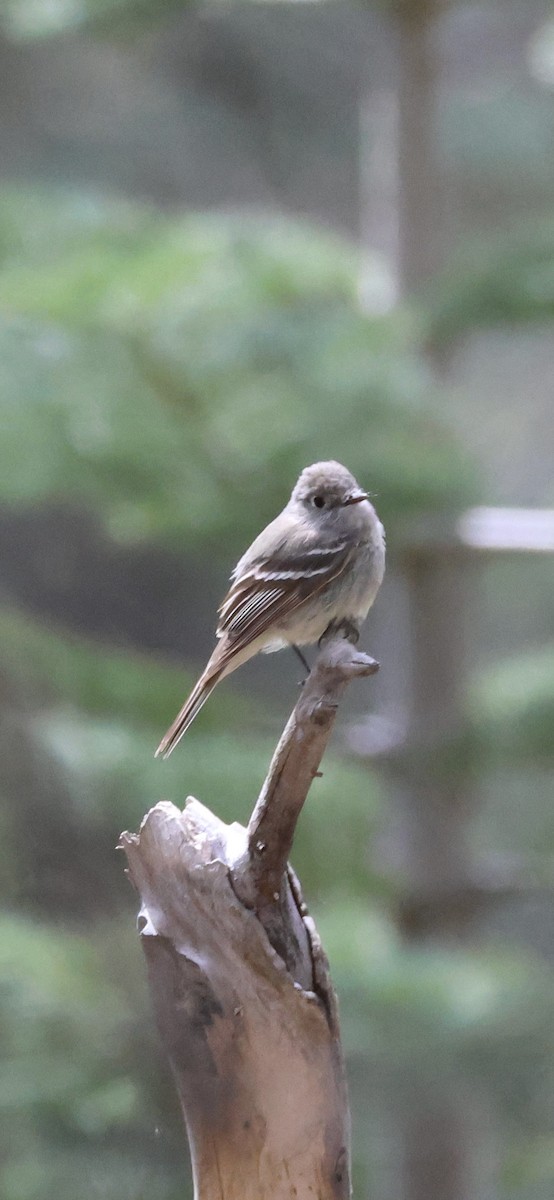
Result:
x=239 y=980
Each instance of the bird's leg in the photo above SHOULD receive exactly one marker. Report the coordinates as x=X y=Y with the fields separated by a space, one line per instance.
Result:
x=348 y=629
x=300 y=655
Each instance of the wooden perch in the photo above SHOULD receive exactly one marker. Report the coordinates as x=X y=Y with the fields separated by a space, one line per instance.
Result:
x=239 y=980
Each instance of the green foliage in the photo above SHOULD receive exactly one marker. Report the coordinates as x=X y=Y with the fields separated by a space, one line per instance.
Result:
x=513 y=708
x=506 y=280
x=93 y=680
x=174 y=376
x=23 y=19
x=98 y=715
x=420 y=1000
x=167 y=372
x=433 y=1021
x=77 y=1114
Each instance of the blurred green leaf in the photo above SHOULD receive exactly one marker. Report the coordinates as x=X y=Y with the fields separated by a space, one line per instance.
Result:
x=167 y=372
x=512 y=706
x=528 y=1162
x=98 y=716
x=89 y=678
x=43 y=18
x=504 y=280
x=77 y=1114
x=416 y=1016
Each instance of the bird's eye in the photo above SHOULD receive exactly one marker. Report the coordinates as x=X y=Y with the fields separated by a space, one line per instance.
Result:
x=319 y=501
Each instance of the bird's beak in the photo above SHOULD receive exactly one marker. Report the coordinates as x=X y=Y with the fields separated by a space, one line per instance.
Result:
x=356 y=498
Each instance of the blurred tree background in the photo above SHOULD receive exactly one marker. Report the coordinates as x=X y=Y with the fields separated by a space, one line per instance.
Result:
x=234 y=240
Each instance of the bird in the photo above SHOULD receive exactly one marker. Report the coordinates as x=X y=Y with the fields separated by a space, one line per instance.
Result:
x=316 y=567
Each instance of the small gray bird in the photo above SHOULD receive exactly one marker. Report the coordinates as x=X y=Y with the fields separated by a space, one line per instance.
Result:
x=320 y=563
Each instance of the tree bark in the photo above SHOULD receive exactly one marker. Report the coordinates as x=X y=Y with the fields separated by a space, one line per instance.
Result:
x=238 y=977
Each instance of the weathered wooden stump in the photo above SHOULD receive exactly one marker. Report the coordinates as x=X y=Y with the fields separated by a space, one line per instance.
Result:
x=239 y=980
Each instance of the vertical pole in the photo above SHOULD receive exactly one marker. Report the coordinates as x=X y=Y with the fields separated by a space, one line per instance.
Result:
x=433 y=795
x=434 y=792
x=439 y=585
x=419 y=196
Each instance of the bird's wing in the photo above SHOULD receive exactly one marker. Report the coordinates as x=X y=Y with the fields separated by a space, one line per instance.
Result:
x=270 y=589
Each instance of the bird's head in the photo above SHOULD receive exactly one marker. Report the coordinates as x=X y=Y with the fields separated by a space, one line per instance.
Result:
x=328 y=488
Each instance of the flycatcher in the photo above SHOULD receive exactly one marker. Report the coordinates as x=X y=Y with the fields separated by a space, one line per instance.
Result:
x=320 y=563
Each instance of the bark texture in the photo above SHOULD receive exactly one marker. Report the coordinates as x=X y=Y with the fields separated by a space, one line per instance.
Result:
x=239 y=980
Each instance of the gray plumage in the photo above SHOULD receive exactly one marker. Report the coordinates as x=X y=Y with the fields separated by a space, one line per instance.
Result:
x=320 y=562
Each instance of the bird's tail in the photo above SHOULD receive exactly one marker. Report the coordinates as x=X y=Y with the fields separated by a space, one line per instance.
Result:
x=200 y=692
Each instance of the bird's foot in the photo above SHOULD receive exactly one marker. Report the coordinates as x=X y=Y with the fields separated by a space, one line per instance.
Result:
x=303 y=660
x=345 y=628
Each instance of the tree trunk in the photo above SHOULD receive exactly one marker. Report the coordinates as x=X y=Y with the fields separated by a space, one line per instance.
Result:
x=419 y=198
x=435 y=795
x=239 y=980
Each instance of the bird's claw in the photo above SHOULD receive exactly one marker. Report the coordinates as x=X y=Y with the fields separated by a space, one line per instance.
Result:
x=346 y=628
